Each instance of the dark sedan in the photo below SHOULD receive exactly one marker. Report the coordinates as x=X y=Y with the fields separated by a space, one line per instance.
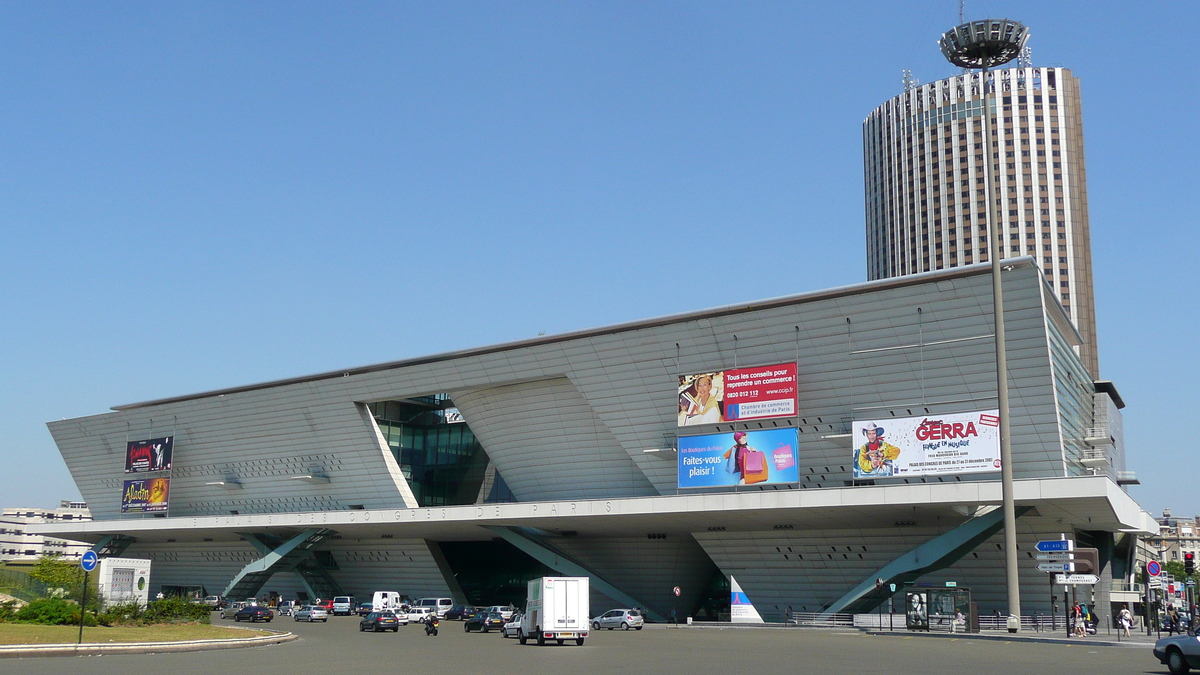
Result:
x=377 y=621
x=459 y=612
x=254 y=613
x=484 y=622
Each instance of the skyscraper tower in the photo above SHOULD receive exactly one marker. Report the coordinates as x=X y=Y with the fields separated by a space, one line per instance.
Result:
x=924 y=156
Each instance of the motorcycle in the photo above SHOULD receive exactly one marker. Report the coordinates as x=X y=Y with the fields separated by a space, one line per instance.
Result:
x=431 y=626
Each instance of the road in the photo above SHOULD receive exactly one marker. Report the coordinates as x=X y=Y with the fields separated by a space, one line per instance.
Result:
x=336 y=646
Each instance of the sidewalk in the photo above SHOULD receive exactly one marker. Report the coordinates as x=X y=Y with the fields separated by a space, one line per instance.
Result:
x=1134 y=640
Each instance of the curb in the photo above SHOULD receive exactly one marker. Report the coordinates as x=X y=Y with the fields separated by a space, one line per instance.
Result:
x=1008 y=638
x=101 y=649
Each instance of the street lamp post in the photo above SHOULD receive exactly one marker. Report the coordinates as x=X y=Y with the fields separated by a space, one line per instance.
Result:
x=983 y=45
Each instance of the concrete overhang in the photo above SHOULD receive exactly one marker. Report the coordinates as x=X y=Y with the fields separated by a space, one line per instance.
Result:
x=1086 y=503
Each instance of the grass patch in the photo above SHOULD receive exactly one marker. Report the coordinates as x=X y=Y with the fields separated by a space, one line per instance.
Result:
x=30 y=634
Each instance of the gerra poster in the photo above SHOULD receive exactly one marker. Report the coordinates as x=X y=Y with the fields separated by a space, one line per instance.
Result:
x=153 y=454
x=145 y=495
x=934 y=445
x=738 y=458
x=738 y=394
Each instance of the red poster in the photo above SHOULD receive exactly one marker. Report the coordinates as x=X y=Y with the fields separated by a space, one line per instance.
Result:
x=761 y=392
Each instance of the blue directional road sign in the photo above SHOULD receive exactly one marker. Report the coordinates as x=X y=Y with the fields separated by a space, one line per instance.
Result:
x=89 y=561
x=1049 y=545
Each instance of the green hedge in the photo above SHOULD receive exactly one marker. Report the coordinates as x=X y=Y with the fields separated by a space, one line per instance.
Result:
x=57 y=612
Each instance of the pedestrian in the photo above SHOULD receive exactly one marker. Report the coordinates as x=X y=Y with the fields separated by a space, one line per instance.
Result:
x=674 y=619
x=1126 y=620
x=788 y=616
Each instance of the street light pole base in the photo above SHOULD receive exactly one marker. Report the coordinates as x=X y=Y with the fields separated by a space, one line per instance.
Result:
x=1014 y=623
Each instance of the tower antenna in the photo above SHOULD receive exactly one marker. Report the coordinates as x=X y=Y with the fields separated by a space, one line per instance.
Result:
x=962 y=5
x=910 y=82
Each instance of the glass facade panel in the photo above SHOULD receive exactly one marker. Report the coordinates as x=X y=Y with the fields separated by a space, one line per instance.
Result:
x=444 y=463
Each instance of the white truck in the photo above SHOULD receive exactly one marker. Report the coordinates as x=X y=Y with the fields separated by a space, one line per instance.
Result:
x=385 y=600
x=556 y=609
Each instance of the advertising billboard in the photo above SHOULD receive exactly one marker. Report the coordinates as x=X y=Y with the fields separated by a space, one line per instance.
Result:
x=927 y=446
x=153 y=454
x=145 y=495
x=916 y=610
x=738 y=394
x=738 y=458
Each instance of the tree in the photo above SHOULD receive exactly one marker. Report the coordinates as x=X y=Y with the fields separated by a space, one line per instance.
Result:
x=55 y=572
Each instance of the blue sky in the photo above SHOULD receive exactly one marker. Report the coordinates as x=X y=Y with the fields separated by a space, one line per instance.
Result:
x=202 y=195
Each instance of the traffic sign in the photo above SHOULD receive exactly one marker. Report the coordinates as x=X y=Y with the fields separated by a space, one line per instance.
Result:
x=1075 y=579
x=89 y=561
x=1191 y=582
x=1048 y=545
x=951 y=584
x=1056 y=567
x=677 y=591
x=1153 y=568
x=1155 y=582
x=1055 y=556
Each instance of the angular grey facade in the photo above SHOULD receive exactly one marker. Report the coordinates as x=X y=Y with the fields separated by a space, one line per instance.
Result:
x=582 y=426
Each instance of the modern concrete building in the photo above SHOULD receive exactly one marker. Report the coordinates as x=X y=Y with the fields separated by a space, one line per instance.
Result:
x=467 y=473
x=924 y=156
x=18 y=544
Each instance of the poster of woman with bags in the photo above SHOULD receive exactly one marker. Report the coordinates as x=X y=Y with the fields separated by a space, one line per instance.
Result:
x=748 y=463
x=738 y=458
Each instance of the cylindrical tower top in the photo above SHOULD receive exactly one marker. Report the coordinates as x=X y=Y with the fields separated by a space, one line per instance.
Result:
x=984 y=44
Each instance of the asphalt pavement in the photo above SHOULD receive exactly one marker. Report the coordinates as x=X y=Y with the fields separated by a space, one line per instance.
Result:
x=338 y=645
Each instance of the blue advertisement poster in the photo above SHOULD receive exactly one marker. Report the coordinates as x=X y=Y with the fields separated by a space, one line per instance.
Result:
x=738 y=458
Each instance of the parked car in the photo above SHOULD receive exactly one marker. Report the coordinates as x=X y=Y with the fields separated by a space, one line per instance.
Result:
x=513 y=627
x=231 y=609
x=458 y=612
x=418 y=614
x=213 y=601
x=326 y=604
x=311 y=613
x=472 y=612
x=287 y=608
x=364 y=609
x=254 y=613
x=1179 y=653
x=377 y=621
x=505 y=611
x=619 y=618
x=484 y=621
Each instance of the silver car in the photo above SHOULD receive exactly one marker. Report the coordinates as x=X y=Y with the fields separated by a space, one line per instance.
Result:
x=311 y=613
x=619 y=618
x=1179 y=653
x=232 y=609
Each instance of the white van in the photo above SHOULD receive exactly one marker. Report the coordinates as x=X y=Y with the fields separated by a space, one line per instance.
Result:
x=438 y=605
x=343 y=605
x=385 y=600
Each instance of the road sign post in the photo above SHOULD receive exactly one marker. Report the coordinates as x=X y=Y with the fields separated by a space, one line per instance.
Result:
x=88 y=562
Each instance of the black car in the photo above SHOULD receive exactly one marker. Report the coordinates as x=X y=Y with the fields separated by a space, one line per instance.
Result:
x=484 y=622
x=377 y=621
x=254 y=613
x=459 y=612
